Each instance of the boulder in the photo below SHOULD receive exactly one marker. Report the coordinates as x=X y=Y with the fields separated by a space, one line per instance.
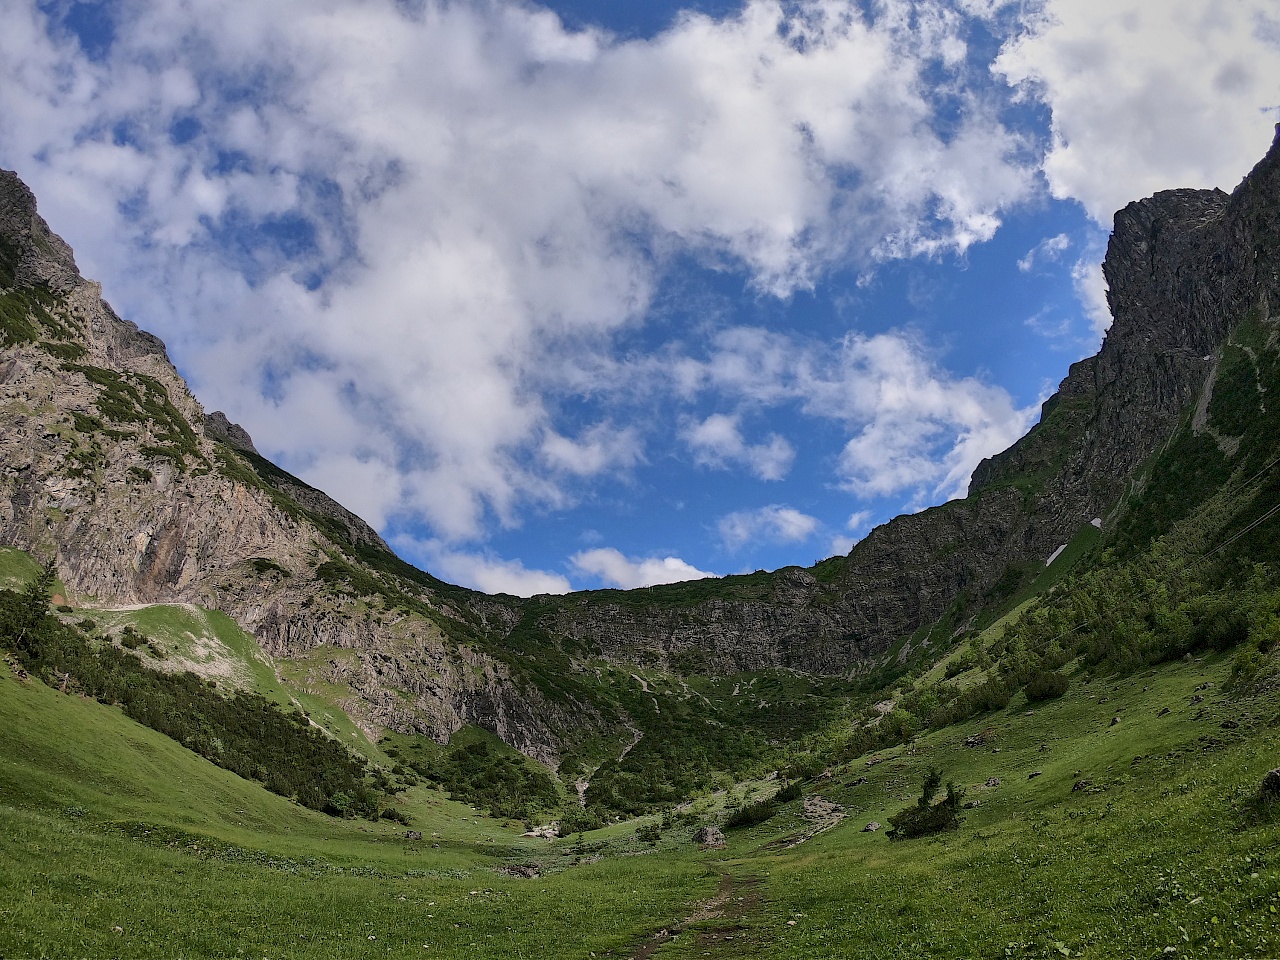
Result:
x=709 y=837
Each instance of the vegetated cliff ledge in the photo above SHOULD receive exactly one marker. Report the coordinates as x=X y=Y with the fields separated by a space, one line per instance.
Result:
x=1183 y=267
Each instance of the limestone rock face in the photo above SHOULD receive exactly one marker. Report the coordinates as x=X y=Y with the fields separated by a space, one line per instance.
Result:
x=109 y=465
x=218 y=427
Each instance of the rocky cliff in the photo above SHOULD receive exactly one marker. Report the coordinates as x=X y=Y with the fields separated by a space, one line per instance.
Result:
x=109 y=466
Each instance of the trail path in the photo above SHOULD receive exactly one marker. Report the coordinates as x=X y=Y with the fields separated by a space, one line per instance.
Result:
x=734 y=898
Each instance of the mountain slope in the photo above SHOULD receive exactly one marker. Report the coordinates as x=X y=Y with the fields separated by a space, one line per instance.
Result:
x=112 y=467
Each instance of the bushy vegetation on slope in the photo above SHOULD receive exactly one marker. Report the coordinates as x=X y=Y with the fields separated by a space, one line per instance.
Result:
x=244 y=733
x=483 y=771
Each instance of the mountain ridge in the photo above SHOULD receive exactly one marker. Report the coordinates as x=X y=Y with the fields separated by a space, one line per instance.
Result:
x=112 y=466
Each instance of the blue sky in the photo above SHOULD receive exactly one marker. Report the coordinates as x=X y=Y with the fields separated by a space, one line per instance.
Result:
x=597 y=294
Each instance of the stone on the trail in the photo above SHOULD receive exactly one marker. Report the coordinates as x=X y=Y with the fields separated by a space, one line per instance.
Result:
x=871 y=827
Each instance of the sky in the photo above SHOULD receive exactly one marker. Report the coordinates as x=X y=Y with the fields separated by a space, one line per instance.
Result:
x=599 y=294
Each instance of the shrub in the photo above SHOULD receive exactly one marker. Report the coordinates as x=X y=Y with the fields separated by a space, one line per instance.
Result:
x=1221 y=627
x=790 y=792
x=959 y=665
x=804 y=768
x=927 y=817
x=392 y=813
x=575 y=819
x=650 y=833
x=1046 y=685
x=751 y=814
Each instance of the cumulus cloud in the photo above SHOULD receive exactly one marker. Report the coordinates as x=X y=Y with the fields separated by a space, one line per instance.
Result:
x=627 y=573
x=1146 y=97
x=856 y=525
x=600 y=448
x=482 y=571
x=773 y=524
x=379 y=234
x=1091 y=290
x=717 y=441
x=914 y=427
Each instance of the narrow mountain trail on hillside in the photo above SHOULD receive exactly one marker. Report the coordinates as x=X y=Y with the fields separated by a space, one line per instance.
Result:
x=718 y=920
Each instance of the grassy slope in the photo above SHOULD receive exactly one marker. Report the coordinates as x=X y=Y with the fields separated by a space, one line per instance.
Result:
x=109 y=825
x=1155 y=852
x=1111 y=870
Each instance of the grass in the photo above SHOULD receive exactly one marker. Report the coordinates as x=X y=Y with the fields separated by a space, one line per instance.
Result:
x=1113 y=869
x=188 y=860
x=17 y=568
x=1151 y=854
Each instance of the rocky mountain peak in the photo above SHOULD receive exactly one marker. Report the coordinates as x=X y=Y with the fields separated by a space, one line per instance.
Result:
x=33 y=253
x=217 y=426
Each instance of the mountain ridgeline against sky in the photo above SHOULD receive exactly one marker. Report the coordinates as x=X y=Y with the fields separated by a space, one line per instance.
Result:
x=111 y=467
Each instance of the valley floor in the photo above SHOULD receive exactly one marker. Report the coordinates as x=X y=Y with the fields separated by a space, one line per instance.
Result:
x=1123 y=824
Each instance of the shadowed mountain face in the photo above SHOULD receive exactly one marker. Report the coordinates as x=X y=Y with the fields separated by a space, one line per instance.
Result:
x=110 y=465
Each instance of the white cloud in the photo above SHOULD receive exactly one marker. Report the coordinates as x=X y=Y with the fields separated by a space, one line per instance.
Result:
x=774 y=524
x=1091 y=290
x=856 y=524
x=628 y=573
x=1050 y=248
x=717 y=441
x=425 y=214
x=914 y=426
x=1149 y=96
x=601 y=448
x=482 y=572
x=857 y=520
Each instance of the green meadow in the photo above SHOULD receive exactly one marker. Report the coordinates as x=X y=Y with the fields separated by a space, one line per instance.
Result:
x=1125 y=824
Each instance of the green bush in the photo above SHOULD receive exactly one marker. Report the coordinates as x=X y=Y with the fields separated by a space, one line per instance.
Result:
x=1220 y=626
x=804 y=768
x=927 y=817
x=791 y=791
x=1046 y=685
x=394 y=814
x=575 y=819
x=751 y=814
